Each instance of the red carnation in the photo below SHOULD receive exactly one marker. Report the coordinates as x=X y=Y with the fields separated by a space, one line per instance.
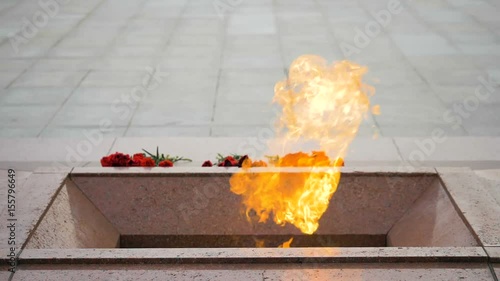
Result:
x=166 y=163
x=243 y=159
x=106 y=161
x=138 y=156
x=137 y=159
x=116 y=160
x=207 y=163
x=148 y=162
x=229 y=161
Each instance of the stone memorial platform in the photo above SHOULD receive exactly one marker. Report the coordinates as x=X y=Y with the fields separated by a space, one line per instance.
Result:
x=184 y=223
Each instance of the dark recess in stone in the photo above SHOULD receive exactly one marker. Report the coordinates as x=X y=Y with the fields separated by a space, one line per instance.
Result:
x=249 y=241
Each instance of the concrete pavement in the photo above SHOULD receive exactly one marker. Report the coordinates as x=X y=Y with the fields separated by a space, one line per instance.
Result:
x=207 y=68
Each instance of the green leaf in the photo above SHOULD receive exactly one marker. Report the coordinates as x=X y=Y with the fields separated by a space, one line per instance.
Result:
x=161 y=157
x=236 y=156
x=149 y=153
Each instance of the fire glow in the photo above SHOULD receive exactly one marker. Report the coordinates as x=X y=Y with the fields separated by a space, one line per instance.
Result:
x=321 y=103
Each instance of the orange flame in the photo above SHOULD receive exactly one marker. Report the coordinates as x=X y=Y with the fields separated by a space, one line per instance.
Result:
x=321 y=103
x=286 y=244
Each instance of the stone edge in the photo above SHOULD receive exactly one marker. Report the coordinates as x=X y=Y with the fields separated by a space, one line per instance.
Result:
x=473 y=202
x=257 y=255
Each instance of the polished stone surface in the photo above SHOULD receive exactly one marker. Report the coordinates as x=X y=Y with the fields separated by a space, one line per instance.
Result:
x=202 y=204
x=477 y=206
x=304 y=272
x=407 y=154
x=33 y=198
x=427 y=263
x=493 y=253
x=311 y=255
x=432 y=220
x=72 y=221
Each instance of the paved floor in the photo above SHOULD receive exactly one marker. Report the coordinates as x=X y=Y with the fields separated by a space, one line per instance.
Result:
x=207 y=68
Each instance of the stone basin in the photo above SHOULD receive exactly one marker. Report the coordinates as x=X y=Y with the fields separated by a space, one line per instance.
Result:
x=185 y=223
x=198 y=210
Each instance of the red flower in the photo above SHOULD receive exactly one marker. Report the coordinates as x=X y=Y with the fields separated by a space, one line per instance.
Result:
x=106 y=161
x=166 y=163
x=138 y=156
x=148 y=162
x=228 y=162
x=116 y=160
x=137 y=159
x=243 y=159
x=207 y=163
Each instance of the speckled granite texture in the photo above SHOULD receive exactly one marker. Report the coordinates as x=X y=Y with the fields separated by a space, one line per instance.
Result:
x=409 y=201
